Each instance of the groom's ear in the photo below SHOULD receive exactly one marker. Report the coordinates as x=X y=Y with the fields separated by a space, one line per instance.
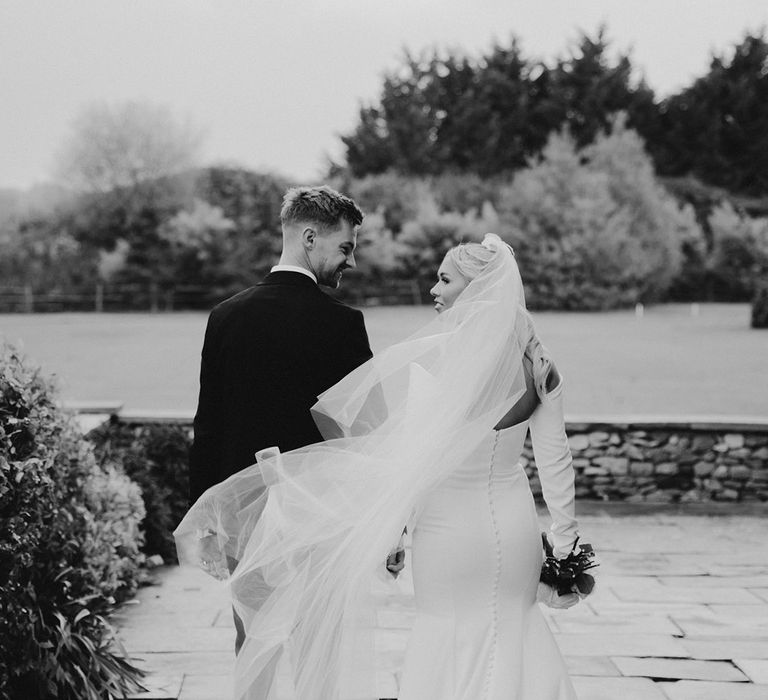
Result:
x=309 y=237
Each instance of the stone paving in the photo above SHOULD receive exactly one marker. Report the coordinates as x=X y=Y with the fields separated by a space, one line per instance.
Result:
x=680 y=612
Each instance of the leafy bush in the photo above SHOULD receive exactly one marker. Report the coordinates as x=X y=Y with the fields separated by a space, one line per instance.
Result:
x=463 y=192
x=397 y=198
x=69 y=549
x=378 y=252
x=429 y=236
x=156 y=458
x=738 y=258
x=591 y=227
x=760 y=309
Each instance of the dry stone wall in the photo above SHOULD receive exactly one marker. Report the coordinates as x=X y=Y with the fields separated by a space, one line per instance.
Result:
x=666 y=462
x=654 y=461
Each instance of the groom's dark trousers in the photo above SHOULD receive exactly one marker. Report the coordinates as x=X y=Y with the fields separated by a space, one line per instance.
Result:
x=268 y=353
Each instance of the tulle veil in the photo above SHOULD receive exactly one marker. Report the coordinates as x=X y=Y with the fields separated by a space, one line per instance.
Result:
x=309 y=530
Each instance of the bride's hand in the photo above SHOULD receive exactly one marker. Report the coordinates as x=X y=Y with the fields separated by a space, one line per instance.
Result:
x=396 y=558
x=548 y=595
x=396 y=562
x=210 y=557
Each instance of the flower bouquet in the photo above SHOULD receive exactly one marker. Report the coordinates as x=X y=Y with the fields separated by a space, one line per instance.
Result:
x=568 y=575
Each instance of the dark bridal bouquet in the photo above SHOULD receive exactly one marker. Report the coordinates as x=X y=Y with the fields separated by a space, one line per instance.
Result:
x=568 y=575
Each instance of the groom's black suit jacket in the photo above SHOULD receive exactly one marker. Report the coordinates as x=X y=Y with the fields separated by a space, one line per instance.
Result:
x=268 y=353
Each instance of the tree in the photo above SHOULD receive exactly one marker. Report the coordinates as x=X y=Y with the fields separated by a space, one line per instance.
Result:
x=737 y=260
x=447 y=113
x=200 y=243
x=42 y=253
x=395 y=197
x=426 y=239
x=498 y=111
x=591 y=228
x=464 y=191
x=401 y=132
x=368 y=148
x=589 y=89
x=659 y=226
x=715 y=129
x=131 y=164
x=125 y=145
x=378 y=252
x=252 y=201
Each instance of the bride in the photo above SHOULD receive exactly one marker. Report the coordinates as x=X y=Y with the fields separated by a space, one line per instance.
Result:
x=428 y=433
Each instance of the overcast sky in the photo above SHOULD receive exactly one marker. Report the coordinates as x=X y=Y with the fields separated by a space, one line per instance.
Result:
x=274 y=82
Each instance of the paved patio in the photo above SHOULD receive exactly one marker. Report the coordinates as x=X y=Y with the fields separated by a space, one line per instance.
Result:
x=680 y=613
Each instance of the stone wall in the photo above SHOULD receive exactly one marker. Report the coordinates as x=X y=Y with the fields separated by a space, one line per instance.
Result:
x=617 y=459
x=666 y=461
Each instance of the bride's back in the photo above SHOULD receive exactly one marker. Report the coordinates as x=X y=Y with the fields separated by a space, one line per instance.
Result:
x=527 y=403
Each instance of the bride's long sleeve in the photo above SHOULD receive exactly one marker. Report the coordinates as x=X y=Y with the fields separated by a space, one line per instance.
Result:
x=555 y=466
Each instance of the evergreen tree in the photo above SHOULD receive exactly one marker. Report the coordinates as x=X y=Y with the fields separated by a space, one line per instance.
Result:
x=496 y=113
x=401 y=132
x=449 y=113
x=589 y=89
x=716 y=128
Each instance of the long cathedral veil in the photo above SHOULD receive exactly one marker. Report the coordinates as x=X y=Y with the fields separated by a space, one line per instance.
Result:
x=309 y=530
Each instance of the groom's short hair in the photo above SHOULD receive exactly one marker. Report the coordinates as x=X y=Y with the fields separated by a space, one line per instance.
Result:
x=320 y=205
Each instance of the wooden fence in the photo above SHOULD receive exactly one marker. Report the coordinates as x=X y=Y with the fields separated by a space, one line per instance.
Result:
x=151 y=297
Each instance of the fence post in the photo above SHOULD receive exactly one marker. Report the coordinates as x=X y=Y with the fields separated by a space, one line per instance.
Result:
x=29 y=299
x=99 y=301
x=416 y=292
x=153 y=297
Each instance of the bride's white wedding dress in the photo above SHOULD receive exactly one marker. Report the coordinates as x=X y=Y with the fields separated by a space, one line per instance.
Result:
x=409 y=431
x=479 y=633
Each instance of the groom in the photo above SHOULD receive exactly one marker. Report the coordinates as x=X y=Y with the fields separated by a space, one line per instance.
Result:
x=270 y=350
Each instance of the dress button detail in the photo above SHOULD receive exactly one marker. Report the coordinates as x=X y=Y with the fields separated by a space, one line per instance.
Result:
x=497 y=573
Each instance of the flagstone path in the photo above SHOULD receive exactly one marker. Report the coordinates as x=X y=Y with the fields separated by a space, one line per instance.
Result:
x=680 y=612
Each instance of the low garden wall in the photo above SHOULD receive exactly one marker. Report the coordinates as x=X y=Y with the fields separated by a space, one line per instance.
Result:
x=666 y=461
x=655 y=460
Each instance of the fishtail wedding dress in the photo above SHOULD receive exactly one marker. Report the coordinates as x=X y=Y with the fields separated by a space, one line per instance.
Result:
x=407 y=432
x=479 y=633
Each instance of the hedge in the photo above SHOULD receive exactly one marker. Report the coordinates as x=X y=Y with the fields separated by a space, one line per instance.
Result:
x=69 y=549
x=156 y=457
x=760 y=308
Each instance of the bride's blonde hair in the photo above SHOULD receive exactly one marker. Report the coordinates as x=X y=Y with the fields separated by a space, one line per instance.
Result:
x=470 y=259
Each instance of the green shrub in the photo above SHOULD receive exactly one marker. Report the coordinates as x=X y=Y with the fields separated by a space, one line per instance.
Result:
x=760 y=308
x=427 y=238
x=738 y=259
x=69 y=549
x=378 y=252
x=396 y=197
x=155 y=457
x=591 y=228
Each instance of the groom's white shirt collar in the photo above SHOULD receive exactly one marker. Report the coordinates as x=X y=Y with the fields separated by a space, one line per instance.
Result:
x=294 y=268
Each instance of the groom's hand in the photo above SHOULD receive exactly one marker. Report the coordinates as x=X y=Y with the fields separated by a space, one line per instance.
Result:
x=396 y=562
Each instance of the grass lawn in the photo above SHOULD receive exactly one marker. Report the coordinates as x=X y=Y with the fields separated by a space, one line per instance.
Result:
x=668 y=362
